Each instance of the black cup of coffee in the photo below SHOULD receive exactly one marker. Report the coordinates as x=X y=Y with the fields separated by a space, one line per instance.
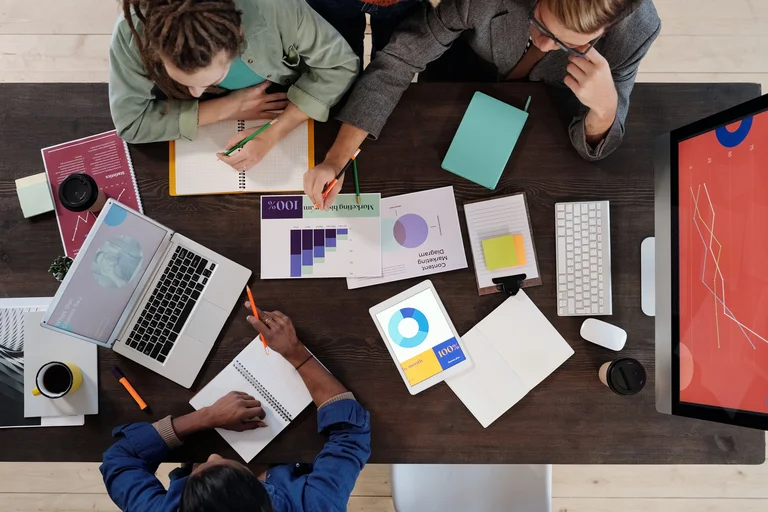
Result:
x=625 y=376
x=79 y=192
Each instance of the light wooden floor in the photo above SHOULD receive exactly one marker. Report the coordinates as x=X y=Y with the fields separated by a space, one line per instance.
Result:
x=702 y=40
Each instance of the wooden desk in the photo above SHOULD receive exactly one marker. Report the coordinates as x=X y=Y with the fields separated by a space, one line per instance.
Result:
x=569 y=418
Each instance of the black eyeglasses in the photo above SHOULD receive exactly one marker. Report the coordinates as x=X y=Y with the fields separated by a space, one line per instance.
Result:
x=567 y=49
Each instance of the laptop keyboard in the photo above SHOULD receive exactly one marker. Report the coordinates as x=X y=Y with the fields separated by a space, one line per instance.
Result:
x=170 y=304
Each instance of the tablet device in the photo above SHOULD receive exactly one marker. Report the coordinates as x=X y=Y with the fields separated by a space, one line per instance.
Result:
x=420 y=337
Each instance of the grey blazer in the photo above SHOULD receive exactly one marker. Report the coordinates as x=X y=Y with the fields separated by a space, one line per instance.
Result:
x=497 y=31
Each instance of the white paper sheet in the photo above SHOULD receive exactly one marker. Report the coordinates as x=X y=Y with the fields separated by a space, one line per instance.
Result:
x=513 y=350
x=42 y=346
x=420 y=235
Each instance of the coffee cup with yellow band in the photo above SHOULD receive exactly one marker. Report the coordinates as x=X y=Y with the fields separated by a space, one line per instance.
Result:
x=57 y=379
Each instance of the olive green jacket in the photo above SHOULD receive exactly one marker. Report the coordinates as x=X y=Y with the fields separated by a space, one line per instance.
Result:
x=286 y=42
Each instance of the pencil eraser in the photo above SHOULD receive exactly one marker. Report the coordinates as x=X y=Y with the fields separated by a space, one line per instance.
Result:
x=34 y=195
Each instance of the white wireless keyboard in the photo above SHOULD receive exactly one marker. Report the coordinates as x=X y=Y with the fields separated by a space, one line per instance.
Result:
x=583 y=234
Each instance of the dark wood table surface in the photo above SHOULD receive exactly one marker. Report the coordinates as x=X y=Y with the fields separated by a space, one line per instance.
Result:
x=570 y=418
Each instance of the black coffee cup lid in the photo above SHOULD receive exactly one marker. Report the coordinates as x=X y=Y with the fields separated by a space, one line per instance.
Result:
x=78 y=192
x=626 y=376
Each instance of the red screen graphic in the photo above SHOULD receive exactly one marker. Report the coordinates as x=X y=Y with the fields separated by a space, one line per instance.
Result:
x=723 y=265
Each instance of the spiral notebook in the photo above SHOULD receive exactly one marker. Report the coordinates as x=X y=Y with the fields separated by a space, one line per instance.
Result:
x=271 y=380
x=194 y=168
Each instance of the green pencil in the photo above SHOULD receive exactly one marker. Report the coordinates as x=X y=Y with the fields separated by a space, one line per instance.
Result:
x=249 y=138
x=357 y=182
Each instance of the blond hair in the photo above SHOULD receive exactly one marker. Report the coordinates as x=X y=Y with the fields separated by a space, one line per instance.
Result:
x=588 y=16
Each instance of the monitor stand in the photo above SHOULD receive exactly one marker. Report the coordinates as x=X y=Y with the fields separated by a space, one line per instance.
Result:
x=648 y=276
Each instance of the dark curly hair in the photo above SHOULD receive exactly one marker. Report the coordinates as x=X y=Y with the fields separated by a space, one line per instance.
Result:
x=188 y=32
x=224 y=488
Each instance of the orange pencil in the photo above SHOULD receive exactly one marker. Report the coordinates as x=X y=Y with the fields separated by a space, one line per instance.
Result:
x=256 y=314
x=341 y=173
x=127 y=385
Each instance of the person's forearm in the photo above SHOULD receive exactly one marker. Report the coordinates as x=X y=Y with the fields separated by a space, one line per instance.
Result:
x=321 y=384
x=597 y=125
x=215 y=110
x=185 y=426
x=288 y=121
x=347 y=142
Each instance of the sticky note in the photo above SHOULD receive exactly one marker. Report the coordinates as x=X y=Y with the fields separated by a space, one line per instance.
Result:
x=504 y=252
x=34 y=195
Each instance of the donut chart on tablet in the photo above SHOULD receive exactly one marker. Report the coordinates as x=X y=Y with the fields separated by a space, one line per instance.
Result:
x=405 y=316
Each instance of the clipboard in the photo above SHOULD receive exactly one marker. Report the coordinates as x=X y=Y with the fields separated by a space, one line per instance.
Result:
x=499 y=216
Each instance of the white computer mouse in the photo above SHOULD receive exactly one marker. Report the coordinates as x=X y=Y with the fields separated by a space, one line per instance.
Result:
x=603 y=334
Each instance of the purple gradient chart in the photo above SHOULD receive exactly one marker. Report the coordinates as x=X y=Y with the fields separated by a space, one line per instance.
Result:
x=411 y=231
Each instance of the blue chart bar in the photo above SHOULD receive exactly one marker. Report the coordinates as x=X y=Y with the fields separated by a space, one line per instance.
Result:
x=306 y=248
x=319 y=245
x=311 y=246
x=295 y=253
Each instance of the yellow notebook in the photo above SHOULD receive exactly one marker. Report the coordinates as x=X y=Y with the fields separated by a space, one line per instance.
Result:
x=194 y=168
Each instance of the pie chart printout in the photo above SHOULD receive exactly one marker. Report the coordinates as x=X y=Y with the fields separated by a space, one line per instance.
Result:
x=411 y=231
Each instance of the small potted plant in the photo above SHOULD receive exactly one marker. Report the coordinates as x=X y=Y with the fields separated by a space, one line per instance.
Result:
x=60 y=267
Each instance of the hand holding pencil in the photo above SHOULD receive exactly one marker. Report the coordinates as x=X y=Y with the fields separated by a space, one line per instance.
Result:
x=248 y=148
x=323 y=183
x=278 y=332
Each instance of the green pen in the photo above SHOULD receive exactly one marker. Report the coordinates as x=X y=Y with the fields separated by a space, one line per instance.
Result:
x=357 y=183
x=249 y=138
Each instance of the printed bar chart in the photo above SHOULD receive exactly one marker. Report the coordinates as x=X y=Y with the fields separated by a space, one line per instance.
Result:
x=309 y=247
x=299 y=241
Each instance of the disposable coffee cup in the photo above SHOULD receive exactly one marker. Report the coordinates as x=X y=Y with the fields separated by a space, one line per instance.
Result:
x=625 y=376
x=79 y=192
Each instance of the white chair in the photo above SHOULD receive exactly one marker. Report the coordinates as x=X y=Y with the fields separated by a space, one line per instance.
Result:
x=472 y=488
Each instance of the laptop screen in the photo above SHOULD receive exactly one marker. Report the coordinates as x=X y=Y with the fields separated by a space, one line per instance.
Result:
x=107 y=274
x=723 y=245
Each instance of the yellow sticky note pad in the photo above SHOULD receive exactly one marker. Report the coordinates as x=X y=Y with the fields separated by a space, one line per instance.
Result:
x=504 y=252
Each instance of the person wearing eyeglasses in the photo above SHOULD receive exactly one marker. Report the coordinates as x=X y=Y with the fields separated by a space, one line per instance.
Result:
x=592 y=47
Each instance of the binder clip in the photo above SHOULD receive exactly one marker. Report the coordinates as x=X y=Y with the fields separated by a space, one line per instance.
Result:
x=509 y=284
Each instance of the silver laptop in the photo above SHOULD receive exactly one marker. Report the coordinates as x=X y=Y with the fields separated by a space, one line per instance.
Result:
x=151 y=294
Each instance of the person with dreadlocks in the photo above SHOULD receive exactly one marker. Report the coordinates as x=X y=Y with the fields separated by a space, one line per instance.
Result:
x=165 y=54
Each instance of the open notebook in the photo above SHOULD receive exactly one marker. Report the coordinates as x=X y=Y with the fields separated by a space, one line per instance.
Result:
x=271 y=380
x=513 y=349
x=194 y=168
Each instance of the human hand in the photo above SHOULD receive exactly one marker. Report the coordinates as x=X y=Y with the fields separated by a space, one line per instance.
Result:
x=279 y=333
x=254 y=102
x=252 y=152
x=236 y=411
x=591 y=81
x=315 y=181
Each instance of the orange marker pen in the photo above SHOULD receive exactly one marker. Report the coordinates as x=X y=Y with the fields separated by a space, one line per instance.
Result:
x=127 y=385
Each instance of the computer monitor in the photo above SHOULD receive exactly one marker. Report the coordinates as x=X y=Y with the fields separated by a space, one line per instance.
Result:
x=712 y=268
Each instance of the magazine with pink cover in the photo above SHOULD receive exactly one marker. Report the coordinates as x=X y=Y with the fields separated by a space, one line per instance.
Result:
x=106 y=159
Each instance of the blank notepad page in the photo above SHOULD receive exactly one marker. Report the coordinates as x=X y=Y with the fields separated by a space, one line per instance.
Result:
x=196 y=169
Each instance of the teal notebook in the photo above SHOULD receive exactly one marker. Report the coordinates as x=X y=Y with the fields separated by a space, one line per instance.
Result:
x=484 y=141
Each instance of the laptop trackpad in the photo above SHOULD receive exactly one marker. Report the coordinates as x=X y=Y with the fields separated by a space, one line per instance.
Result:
x=206 y=322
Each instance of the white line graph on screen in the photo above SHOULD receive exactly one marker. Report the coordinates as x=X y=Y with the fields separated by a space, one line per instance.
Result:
x=711 y=252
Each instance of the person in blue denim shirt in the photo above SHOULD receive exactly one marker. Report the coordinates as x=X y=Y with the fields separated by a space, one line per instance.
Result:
x=223 y=485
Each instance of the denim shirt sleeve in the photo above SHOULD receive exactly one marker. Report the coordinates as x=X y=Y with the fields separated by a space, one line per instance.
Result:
x=336 y=468
x=129 y=467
